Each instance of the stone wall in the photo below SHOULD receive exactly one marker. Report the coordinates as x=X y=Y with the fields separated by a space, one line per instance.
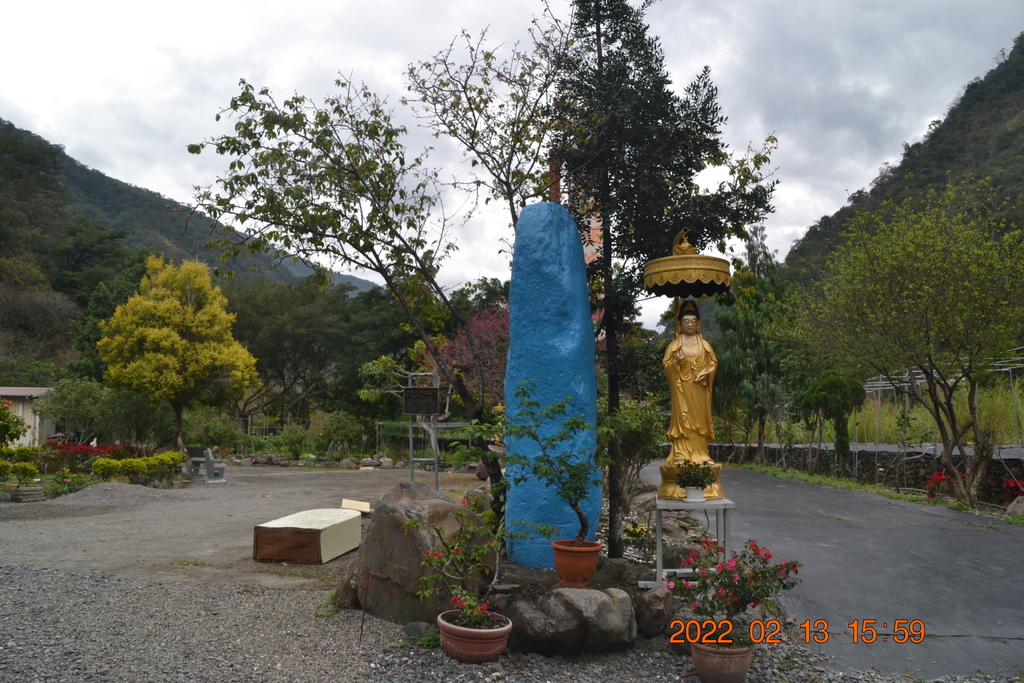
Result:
x=886 y=466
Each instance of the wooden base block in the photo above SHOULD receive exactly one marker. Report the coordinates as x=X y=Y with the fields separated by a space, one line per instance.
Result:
x=310 y=537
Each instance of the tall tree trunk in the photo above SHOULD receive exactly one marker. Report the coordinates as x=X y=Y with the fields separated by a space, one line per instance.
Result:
x=616 y=470
x=179 y=445
x=760 y=439
x=610 y=318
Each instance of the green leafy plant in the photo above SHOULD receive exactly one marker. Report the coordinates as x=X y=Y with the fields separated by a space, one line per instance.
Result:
x=326 y=609
x=5 y=470
x=695 y=475
x=65 y=481
x=553 y=429
x=640 y=429
x=293 y=440
x=430 y=640
x=24 y=471
x=12 y=427
x=221 y=431
x=641 y=536
x=727 y=588
x=342 y=430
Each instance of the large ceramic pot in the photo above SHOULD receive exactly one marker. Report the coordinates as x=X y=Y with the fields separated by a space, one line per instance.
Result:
x=473 y=645
x=721 y=665
x=574 y=565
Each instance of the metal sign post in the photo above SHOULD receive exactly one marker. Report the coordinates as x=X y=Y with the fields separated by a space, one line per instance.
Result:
x=423 y=401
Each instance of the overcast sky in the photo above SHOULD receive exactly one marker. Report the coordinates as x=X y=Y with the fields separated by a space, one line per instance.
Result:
x=126 y=86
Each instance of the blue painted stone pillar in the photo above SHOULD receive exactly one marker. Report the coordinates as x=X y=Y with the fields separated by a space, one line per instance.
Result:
x=551 y=345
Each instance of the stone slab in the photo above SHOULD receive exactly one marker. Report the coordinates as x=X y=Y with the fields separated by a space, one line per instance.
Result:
x=308 y=537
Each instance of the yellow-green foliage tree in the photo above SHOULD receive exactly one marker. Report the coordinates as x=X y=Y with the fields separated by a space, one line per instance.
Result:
x=932 y=287
x=173 y=341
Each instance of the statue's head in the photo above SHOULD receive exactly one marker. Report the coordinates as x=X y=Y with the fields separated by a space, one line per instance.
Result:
x=688 y=318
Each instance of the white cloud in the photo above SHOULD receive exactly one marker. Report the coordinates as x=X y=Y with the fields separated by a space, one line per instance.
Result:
x=127 y=86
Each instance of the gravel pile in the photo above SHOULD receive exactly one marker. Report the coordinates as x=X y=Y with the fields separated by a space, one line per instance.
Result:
x=64 y=626
x=111 y=493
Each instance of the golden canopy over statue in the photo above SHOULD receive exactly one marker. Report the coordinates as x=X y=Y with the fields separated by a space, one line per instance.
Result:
x=690 y=365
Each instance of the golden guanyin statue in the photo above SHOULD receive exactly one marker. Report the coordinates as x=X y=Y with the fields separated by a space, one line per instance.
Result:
x=690 y=365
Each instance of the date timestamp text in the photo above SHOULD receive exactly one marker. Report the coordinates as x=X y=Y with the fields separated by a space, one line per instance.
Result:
x=867 y=631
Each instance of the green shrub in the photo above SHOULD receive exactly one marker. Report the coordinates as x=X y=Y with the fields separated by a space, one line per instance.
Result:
x=65 y=481
x=26 y=453
x=221 y=431
x=105 y=468
x=23 y=471
x=341 y=428
x=260 y=444
x=293 y=440
x=162 y=465
x=5 y=470
x=176 y=456
x=135 y=469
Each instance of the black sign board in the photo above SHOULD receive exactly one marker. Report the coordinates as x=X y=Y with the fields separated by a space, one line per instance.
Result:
x=422 y=401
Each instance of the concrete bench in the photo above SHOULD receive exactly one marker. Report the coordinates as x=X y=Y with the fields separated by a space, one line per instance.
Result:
x=309 y=537
x=201 y=459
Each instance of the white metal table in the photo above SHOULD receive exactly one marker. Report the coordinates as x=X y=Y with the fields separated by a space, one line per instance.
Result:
x=722 y=509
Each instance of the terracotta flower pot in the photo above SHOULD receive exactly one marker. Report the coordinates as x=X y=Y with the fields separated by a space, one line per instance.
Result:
x=473 y=645
x=721 y=665
x=575 y=566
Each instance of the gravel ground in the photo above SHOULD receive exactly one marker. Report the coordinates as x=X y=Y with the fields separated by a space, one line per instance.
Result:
x=57 y=625
x=106 y=619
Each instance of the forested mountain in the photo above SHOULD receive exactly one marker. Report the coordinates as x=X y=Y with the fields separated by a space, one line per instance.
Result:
x=981 y=136
x=146 y=219
x=73 y=246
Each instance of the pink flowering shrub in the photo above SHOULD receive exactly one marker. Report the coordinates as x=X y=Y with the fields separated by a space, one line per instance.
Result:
x=727 y=588
x=460 y=562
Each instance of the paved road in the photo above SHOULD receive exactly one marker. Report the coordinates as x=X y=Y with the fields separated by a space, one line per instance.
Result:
x=869 y=557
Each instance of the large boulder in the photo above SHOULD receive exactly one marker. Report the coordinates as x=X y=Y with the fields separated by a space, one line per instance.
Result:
x=390 y=556
x=569 y=621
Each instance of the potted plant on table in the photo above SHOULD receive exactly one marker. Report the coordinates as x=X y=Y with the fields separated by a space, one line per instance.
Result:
x=695 y=477
x=464 y=564
x=723 y=590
